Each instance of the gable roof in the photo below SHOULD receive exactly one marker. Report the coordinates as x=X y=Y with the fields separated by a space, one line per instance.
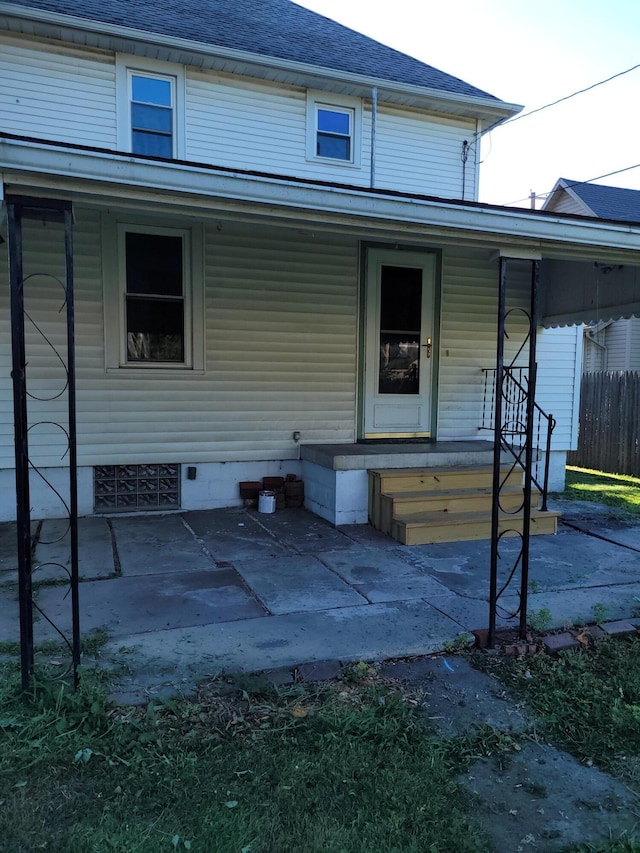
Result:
x=605 y=202
x=270 y=28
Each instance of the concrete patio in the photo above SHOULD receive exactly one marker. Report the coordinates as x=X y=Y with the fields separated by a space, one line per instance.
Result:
x=192 y=594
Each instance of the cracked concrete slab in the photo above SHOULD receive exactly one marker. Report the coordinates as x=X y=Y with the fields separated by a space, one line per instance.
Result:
x=382 y=575
x=303 y=532
x=52 y=560
x=158 y=544
x=542 y=799
x=233 y=534
x=137 y=605
x=296 y=584
x=455 y=697
x=373 y=632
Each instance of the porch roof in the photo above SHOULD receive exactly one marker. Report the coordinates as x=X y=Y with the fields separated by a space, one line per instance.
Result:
x=590 y=270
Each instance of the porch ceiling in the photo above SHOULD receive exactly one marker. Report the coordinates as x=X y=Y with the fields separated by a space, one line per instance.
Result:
x=588 y=291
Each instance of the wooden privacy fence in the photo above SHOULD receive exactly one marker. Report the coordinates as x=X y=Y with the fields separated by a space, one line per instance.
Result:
x=609 y=438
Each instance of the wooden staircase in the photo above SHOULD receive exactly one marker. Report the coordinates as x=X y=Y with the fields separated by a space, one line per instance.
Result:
x=422 y=506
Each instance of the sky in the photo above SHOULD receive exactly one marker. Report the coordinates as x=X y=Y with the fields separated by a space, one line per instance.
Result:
x=528 y=52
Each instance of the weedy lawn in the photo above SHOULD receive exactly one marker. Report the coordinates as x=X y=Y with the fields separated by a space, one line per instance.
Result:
x=243 y=767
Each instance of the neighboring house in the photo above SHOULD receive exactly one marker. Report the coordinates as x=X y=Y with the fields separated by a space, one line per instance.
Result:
x=609 y=345
x=277 y=245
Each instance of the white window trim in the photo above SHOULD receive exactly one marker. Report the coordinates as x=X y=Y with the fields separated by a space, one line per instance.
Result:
x=328 y=100
x=114 y=285
x=127 y=65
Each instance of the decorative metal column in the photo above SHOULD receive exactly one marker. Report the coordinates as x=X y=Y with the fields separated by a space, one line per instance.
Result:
x=514 y=424
x=20 y=209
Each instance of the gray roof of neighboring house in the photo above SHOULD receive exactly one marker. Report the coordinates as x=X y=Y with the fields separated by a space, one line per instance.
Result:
x=273 y=28
x=607 y=202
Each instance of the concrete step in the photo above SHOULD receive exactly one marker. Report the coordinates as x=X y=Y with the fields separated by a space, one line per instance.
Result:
x=396 y=505
x=428 y=528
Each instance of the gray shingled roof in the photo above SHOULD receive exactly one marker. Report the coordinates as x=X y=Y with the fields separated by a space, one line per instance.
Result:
x=608 y=202
x=275 y=28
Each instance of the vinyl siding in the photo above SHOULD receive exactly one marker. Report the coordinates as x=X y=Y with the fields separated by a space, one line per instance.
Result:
x=559 y=360
x=565 y=203
x=281 y=313
x=69 y=94
x=422 y=154
x=56 y=92
x=622 y=339
x=281 y=336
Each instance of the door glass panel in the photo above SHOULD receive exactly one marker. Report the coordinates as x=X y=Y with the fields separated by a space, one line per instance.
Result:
x=400 y=320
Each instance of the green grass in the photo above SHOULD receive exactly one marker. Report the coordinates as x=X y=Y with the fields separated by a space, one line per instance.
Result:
x=245 y=768
x=615 y=490
x=586 y=701
x=345 y=769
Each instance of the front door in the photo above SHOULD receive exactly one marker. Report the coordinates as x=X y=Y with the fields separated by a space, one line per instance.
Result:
x=399 y=344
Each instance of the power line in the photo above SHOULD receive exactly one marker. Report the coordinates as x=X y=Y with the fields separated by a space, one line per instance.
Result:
x=560 y=100
x=575 y=184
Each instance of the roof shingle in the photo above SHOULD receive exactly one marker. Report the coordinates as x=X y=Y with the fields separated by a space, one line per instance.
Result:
x=272 y=28
x=608 y=202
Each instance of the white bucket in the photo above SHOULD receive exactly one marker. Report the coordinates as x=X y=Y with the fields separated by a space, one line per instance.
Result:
x=266 y=502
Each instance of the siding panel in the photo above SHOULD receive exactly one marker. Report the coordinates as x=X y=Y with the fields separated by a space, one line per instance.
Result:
x=422 y=154
x=281 y=317
x=64 y=94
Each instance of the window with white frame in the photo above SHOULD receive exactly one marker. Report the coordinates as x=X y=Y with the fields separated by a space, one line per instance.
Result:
x=152 y=100
x=153 y=296
x=334 y=133
x=151 y=108
x=333 y=130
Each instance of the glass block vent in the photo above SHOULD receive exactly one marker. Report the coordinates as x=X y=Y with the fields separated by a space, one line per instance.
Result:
x=127 y=488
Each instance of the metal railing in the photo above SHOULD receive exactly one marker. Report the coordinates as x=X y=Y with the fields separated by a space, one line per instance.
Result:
x=515 y=394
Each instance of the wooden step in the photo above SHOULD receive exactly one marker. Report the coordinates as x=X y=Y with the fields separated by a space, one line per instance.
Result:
x=428 y=528
x=397 y=505
x=411 y=480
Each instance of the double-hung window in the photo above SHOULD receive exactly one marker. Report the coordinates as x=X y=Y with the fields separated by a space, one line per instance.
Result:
x=151 y=108
x=333 y=129
x=152 y=100
x=334 y=133
x=154 y=317
x=155 y=297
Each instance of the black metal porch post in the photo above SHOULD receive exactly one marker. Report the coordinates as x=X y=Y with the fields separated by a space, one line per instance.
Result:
x=21 y=443
x=497 y=453
x=528 y=464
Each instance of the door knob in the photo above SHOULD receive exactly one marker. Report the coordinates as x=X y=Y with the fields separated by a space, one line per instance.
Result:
x=429 y=346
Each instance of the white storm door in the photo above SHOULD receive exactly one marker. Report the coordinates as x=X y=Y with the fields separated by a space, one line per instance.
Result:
x=399 y=344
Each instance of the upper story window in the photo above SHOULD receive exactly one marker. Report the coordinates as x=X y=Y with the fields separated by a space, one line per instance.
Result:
x=152 y=114
x=151 y=108
x=334 y=133
x=333 y=129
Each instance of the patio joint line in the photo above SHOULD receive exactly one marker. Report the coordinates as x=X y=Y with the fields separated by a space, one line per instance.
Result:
x=117 y=565
x=249 y=590
x=344 y=580
x=273 y=535
x=203 y=546
x=597 y=535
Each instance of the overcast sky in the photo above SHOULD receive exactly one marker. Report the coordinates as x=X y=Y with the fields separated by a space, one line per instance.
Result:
x=528 y=52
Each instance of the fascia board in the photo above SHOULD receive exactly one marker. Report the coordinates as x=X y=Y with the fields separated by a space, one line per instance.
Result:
x=482 y=108
x=172 y=183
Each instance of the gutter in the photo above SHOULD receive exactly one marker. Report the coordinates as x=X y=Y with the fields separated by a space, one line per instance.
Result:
x=106 y=171
x=490 y=106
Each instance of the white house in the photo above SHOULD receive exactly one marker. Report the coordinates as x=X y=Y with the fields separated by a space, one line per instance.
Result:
x=612 y=344
x=277 y=247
